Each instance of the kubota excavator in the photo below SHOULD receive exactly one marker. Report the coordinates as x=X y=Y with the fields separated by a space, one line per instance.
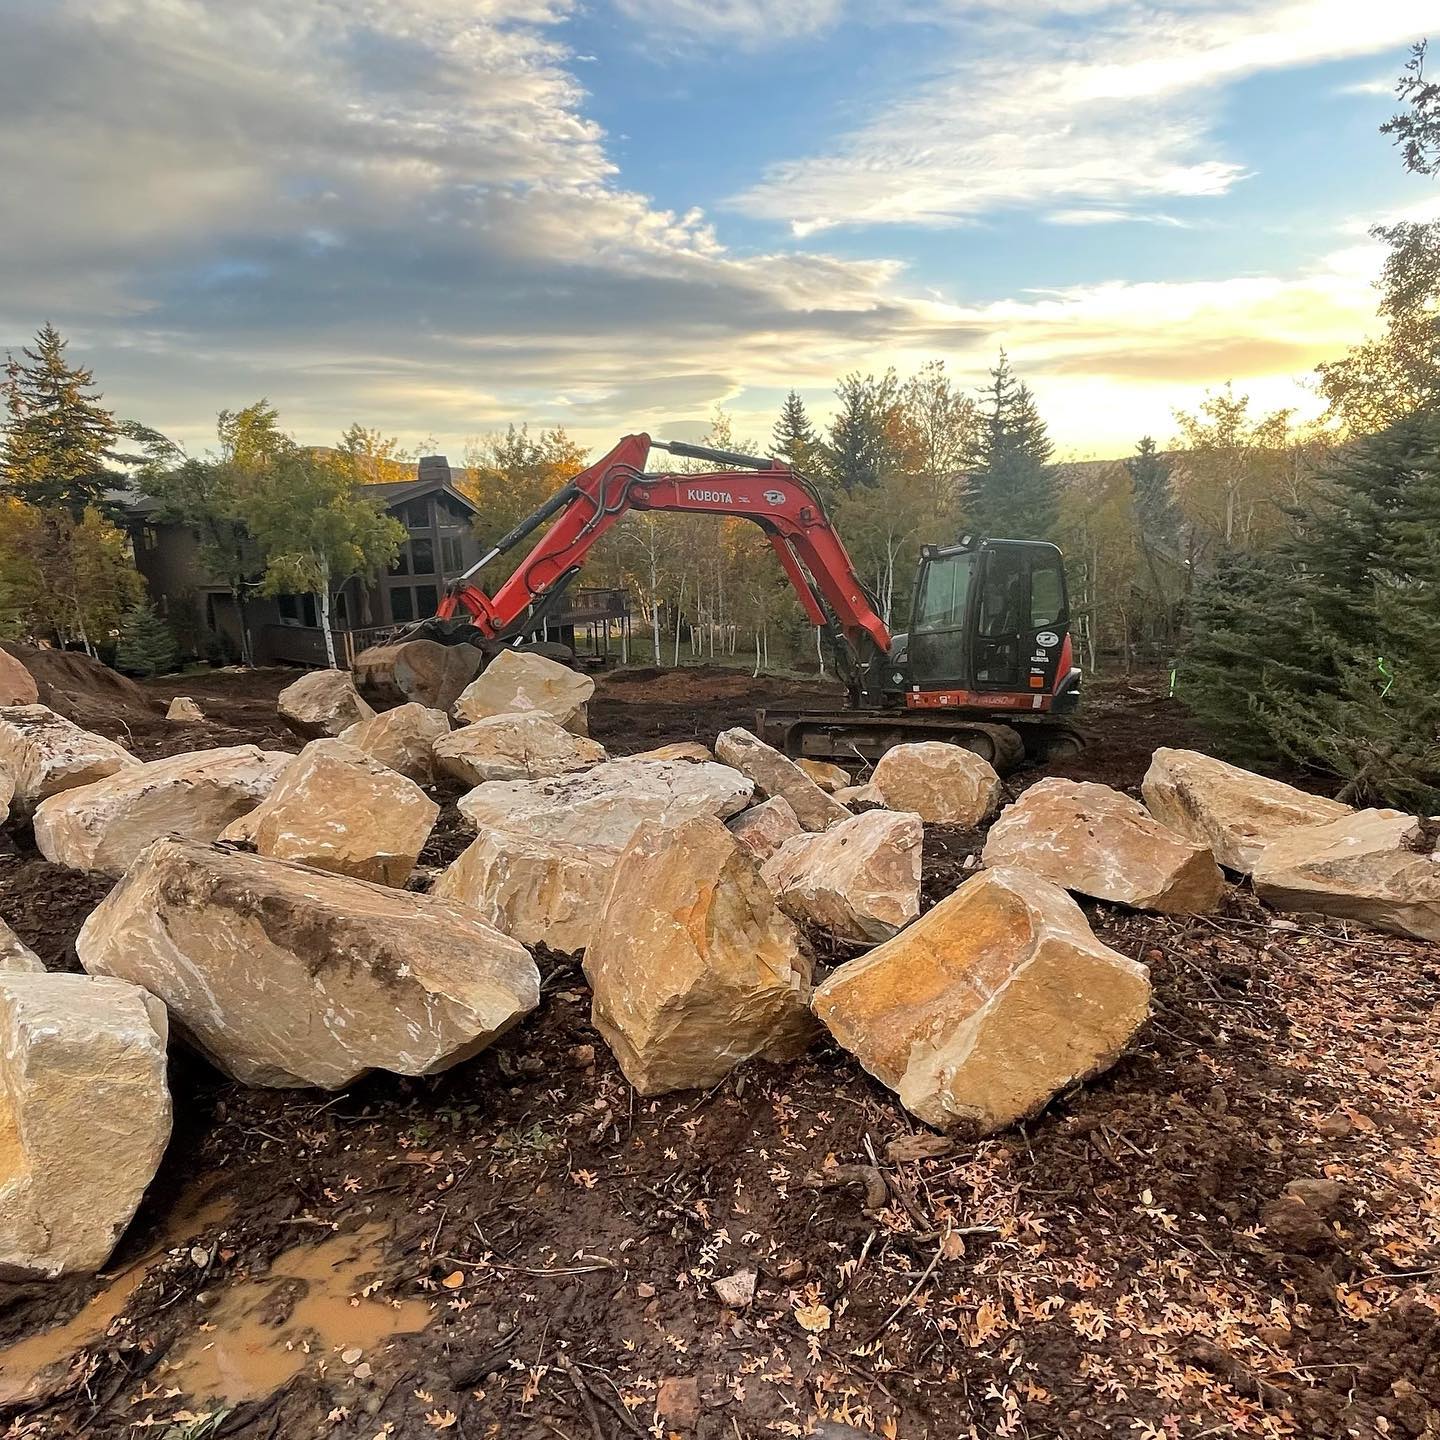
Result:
x=987 y=661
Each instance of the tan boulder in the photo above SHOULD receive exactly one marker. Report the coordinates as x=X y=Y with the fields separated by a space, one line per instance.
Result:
x=1098 y=842
x=693 y=966
x=338 y=809
x=104 y=825
x=764 y=828
x=43 y=754
x=515 y=681
x=7 y=794
x=775 y=774
x=1235 y=812
x=943 y=784
x=1373 y=866
x=527 y=746
x=284 y=975
x=423 y=671
x=17 y=684
x=830 y=778
x=988 y=1005
x=546 y=849
x=320 y=703
x=679 y=750
x=84 y=1117
x=867 y=794
x=860 y=879
x=401 y=738
x=183 y=711
x=16 y=957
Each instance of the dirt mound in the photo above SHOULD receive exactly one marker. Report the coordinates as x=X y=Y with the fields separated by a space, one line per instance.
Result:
x=83 y=690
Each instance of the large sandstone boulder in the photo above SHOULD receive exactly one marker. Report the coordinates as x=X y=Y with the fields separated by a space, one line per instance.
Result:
x=527 y=746
x=860 y=880
x=104 y=825
x=1098 y=842
x=183 y=710
x=775 y=774
x=323 y=702
x=285 y=976
x=17 y=684
x=515 y=681
x=340 y=810
x=43 y=754
x=402 y=738
x=423 y=671
x=693 y=966
x=84 y=1117
x=764 y=828
x=830 y=778
x=16 y=957
x=1233 y=811
x=988 y=1005
x=546 y=848
x=1374 y=866
x=943 y=784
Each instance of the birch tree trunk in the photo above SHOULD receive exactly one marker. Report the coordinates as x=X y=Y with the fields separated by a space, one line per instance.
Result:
x=323 y=595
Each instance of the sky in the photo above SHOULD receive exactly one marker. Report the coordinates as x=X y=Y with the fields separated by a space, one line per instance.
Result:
x=438 y=217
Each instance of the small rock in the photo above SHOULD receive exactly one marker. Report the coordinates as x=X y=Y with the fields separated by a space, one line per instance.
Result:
x=352 y=1356
x=852 y=795
x=941 y=783
x=736 y=1291
x=922 y=1145
x=516 y=681
x=184 y=711
x=645 y=1291
x=678 y=1400
x=1336 y=1126
x=1294 y=1226
x=1324 y=1197
x=582 y=1057
x=691 y=750
x=774 y=774
x=17 y=958
x=324 y=702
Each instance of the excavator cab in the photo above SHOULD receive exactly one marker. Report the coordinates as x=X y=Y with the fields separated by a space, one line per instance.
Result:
x=990 y=619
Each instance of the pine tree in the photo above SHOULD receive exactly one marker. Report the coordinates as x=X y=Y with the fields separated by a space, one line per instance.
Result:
x=794 y=439
x=146 y=645
x=59 y=440
x=1012 y=491
x=863 y=443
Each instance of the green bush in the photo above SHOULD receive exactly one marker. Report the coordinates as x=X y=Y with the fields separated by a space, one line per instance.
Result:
x=146 y=645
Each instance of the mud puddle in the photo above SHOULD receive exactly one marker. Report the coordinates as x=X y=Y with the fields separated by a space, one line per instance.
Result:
x=310 y=1312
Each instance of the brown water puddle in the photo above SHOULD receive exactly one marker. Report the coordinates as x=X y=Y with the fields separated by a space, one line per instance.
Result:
x=38 y=1365
x=264 y=1332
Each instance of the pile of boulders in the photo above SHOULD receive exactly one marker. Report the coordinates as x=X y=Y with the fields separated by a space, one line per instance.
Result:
x=270 y=910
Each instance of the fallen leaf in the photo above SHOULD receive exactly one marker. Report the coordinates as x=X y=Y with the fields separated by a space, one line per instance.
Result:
x=454 y=1280
x=813 y=1318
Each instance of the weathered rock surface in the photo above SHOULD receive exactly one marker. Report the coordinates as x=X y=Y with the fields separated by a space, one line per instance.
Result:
x=547 y=848
x=530 y=745
x=84 y=1116
x=183 y=711
x=1094 y=840
x=776 y=774
x=680 y=750
x=341 y=810
x=285 y=976
x=860 y=880
x=1233 y=811
x=104 y=825
x=865 y=794
x=7 y=794
x=402 y=738
x=17 y=684
x=16 y=957
x=1371 y=866
x=693 y=966
x=988 y=1005
x=423 y=671
x=515 y=681
x=43 y=754
x=764 y=828
x=941 y=783
x=830 y=778
x=324 y=702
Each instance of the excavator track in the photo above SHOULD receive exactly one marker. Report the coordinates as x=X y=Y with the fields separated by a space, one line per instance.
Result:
x=849 y=737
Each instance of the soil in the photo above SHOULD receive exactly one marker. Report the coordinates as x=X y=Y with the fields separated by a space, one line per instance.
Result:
x=1126 y=1264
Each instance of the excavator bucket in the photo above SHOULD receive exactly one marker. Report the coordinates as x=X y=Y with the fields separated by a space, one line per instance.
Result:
x=419 y=670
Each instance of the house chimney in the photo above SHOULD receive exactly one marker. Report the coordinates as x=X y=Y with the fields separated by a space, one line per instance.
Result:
x=434 y=467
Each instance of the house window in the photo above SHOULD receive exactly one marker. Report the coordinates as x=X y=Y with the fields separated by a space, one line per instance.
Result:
x=427 y=597
x=452 y=553
x=296 y=609
x=401 y=563
x=422 y=555
x=402 y=606
x=416 y=515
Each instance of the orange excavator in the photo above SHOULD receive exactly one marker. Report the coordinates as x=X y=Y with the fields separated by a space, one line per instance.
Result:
x=986 y=663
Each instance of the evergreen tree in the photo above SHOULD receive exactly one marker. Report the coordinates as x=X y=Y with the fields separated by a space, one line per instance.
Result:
x=59 y=440
x=1012 y=490
x=864 y=435
x=1150 y=479
x=794 y=439
x=146 y=645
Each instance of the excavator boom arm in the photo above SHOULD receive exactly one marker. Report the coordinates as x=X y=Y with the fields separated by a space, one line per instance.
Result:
x=781 y=502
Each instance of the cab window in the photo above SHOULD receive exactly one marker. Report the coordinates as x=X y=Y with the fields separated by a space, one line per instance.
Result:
x=943 y=592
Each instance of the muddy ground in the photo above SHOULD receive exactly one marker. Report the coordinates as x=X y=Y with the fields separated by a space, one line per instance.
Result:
x=523 y=1248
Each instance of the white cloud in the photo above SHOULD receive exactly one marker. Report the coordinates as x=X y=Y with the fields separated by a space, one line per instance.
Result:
x=752 y=24
x=1031 y=110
